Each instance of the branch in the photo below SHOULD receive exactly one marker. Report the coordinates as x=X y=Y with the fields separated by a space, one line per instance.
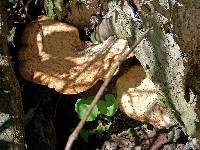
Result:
x=75 y=133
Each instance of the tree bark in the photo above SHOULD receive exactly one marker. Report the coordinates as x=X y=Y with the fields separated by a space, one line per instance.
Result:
x=171 y=57
x=11 y=111
x=186 y=22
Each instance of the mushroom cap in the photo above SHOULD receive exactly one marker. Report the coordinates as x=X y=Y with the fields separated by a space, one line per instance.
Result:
x=138 y=97
x=55 y=56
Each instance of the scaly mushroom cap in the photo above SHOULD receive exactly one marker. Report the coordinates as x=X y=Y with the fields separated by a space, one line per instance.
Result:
x=55 y=56
x=138 y=97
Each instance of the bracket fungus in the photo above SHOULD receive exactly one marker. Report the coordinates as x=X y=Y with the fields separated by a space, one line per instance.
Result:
x=55 y=56
x=139 y=98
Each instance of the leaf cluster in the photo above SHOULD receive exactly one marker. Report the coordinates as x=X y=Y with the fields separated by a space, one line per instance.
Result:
x=107 y=107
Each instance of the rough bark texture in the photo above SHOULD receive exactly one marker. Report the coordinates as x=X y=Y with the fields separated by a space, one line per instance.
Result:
x=186 y=21
x=171 y=55
x=11 y=112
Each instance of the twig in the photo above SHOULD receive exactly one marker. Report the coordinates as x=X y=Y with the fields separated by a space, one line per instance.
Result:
x=25 y=8
x=75 y=133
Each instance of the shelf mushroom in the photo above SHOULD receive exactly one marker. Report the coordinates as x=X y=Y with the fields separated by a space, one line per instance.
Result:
x=139 y=98
x=55 y=56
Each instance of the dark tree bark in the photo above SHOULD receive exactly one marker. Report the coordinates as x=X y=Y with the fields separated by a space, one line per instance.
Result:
x=11 y=111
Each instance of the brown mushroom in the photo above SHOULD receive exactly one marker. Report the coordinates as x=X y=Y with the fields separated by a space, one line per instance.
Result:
x=139 y=98
x=55 y=56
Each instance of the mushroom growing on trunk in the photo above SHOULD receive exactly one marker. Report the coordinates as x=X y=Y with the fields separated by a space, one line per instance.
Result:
x=140 y=99
x=55 y=56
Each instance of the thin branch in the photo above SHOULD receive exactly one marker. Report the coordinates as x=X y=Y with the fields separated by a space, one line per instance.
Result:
x=75 y=133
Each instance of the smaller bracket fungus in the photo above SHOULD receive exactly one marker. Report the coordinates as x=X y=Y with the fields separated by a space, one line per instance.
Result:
x=55 y=56
x=139 y=98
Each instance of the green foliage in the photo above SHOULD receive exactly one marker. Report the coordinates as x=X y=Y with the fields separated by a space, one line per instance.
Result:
x=100 y=128
x=93 y=38
x=108 y=107
x=145 y=126
x=49 y=8
x=54 y=8
x=82 y=105
x=84 y=134
x=11 y=34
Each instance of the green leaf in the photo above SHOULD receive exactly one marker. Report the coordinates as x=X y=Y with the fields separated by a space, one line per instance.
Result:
x=101 y=105
x=100 y=128
x=84 y=134
x=93 y=38
x=109 y=106
x=82 y=105
x=145 y=126
x=49 y=8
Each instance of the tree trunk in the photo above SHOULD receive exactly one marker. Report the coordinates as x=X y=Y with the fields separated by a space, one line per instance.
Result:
x=172 y=57
x=186 y=21
x=11 y=111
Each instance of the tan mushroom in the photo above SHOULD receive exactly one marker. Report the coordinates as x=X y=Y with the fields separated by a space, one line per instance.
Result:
x=139 y=98
x=55 y=56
